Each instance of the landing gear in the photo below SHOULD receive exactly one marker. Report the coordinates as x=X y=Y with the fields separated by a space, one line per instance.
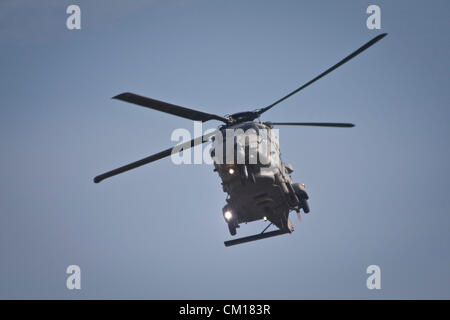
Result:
x=305 y=205
x=232 y=226
x=232 y=229
x=302 y=196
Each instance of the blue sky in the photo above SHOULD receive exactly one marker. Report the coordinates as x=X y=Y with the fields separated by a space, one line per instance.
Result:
x=379 y=191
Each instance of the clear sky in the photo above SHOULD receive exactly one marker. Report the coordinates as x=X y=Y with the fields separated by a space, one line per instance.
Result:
x=379 y=191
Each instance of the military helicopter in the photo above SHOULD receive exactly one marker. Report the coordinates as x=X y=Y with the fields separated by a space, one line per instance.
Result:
x=261 y=190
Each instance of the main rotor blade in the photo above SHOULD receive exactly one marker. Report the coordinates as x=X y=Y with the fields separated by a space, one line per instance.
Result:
x=350 y=56
x=313 y=124
x=157 y=156
x=168 y=108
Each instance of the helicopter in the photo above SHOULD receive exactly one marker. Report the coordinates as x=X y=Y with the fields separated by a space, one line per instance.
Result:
x=257 y=189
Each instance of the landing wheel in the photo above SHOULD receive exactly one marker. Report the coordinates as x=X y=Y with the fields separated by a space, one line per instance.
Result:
x=305 y=205
x=232 y=229
x=302 y=195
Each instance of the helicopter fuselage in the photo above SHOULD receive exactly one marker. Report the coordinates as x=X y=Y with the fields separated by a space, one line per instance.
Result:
x=257 y=182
